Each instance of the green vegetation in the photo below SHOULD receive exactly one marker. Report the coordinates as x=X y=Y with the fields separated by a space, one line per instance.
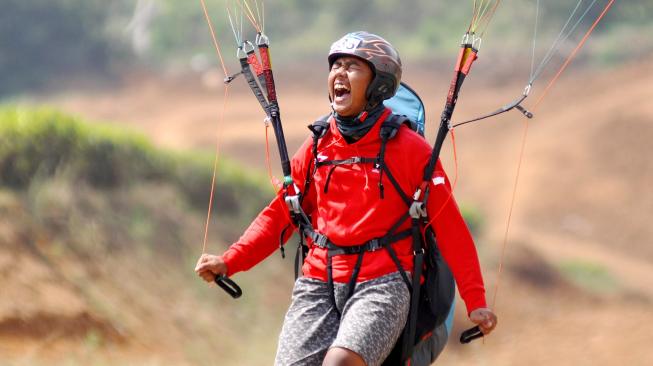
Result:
x=590 y=276
x=90 y=183
x=473 y=219
x=40 y=41
x=76 y=176
x=121 y=222
x=38 y=144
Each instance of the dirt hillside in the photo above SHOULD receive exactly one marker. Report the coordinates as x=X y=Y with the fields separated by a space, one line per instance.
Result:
x=575 y=287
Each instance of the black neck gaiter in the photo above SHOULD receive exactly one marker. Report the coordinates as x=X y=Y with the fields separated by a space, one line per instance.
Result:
x=352 y=129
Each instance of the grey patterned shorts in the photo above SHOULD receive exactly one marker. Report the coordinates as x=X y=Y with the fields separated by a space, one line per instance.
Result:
x=372 y=320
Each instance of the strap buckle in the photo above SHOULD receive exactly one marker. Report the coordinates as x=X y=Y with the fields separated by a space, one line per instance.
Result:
x=374 y=245
x=293 y=204
x=417 y=210
x=320 y=240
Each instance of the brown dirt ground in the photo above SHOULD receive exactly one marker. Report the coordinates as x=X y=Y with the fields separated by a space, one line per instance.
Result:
x=583 y=198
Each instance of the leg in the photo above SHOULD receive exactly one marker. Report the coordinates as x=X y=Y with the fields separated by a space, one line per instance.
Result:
x=338 y=356
x=373 y=319
x=310 y=325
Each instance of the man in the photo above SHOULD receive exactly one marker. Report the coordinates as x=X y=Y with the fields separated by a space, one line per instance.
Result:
x=350 y=309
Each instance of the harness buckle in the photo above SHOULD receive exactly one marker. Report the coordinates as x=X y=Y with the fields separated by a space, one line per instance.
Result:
x=374 y=245
x=320 y=240
x=417 y=210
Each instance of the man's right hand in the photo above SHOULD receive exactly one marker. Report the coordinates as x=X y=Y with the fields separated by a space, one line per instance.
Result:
x=209 y=266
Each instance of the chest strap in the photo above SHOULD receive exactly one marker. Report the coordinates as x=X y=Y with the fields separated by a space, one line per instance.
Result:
x=336 y=163
x=353 y=160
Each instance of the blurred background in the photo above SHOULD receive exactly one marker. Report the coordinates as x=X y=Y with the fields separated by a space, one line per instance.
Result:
x=110 y=114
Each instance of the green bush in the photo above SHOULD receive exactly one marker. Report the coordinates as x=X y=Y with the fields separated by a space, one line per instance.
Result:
x=43 y=142
x=39 y=144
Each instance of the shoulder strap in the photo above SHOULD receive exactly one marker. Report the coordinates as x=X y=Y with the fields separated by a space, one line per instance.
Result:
x=391 y=125
x=320 y=126
x=388 y=130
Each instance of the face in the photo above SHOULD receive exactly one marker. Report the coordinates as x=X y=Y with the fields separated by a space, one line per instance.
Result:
x=348 y=81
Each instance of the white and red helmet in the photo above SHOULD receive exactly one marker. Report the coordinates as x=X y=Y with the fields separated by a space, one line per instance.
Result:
x=382 y=57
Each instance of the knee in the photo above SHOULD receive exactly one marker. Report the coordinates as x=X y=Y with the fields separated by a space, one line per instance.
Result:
x=342 y=357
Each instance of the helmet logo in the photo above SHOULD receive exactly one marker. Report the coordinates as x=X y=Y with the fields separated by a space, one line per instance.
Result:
x=347 y=43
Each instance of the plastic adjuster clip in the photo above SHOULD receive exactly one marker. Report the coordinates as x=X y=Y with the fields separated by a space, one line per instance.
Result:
x=374 y=245
x=320 y=240
x=417 y=210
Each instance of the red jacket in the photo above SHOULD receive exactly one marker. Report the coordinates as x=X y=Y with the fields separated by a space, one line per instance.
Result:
x=351 y=212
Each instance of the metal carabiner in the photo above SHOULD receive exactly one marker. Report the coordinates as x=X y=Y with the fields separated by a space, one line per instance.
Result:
x=248 y=47
x=465 y=40
x=262 y=40
x=476 y=42
x=240 y=53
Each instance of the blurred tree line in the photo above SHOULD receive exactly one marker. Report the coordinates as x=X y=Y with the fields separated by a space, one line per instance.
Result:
x=43 y=41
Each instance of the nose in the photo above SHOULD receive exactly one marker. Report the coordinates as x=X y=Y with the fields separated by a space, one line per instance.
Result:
x=339 y=71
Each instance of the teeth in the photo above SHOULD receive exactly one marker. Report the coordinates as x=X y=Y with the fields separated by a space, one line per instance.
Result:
x=340 y=87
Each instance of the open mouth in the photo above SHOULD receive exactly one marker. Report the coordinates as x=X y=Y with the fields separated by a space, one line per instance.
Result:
x=340 y=91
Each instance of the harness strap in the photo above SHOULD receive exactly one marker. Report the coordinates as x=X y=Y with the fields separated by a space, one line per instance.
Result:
x=319 y=129
x=321 y=241
x=395 y=184
x=299 y=256
x=402 y=272
x=251 y=81
x=409 y=336
x=330 y=286
x=380 y=163
x=336 y=163
x=351 y=286
x=328 y=179
x=352 y=160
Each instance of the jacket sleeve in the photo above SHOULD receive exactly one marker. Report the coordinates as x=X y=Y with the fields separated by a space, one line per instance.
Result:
x=264 y=234
x=455 y=241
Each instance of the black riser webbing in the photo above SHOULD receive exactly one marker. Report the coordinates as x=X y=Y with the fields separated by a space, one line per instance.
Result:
x=253 y=85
